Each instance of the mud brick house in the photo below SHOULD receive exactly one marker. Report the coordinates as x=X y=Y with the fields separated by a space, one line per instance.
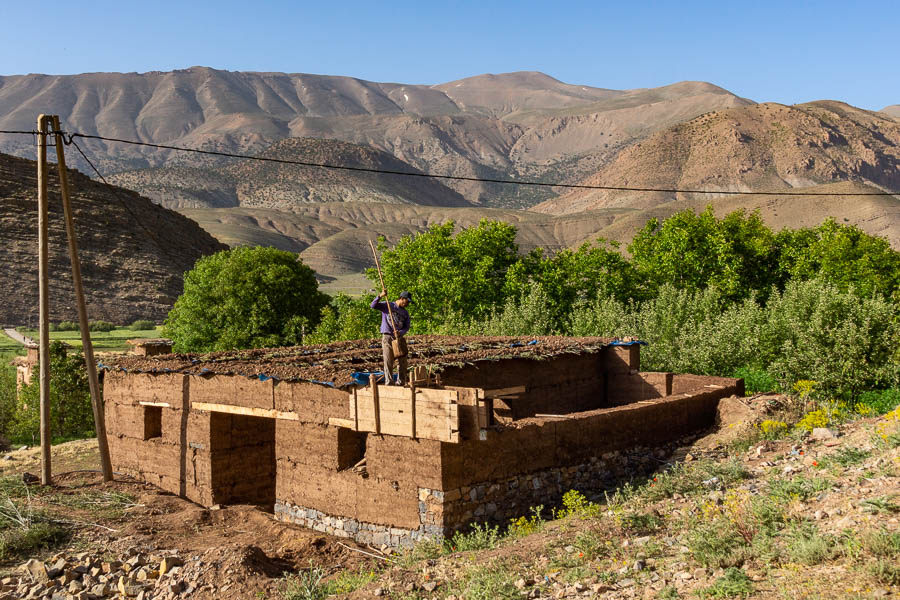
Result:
x=490 y=427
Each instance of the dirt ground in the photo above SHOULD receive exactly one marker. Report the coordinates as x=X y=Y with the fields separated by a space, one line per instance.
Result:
x=642 y=549
x=230 y=552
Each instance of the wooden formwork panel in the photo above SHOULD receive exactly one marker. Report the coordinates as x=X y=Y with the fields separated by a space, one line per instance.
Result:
x=417 y=413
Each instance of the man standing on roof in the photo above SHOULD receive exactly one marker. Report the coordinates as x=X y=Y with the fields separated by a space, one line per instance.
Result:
x=401 y=326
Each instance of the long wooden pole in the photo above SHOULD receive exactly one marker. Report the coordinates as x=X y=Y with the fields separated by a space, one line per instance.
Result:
x=86 y=343
x=43 y=123
x=384 y=291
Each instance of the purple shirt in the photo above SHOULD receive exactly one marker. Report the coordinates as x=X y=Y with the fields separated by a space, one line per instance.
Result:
x=401 y=317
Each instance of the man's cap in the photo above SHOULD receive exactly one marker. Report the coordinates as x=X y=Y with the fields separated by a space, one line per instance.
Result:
x=407 y=295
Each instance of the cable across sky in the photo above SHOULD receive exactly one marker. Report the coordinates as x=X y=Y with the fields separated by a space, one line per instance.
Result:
x=69 y=138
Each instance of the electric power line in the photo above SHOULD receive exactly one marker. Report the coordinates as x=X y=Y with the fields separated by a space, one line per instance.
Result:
x=69 y=139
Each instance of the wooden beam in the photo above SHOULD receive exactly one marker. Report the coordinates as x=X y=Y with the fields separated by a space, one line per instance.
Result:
x=510 y=391
x=412 y=410
x=376 y=408
x=162 y=404
x=246 y=411
x=355 y=401
x=347 y=423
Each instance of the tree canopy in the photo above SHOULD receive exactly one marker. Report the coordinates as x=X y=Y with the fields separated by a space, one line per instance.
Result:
x=245 y=298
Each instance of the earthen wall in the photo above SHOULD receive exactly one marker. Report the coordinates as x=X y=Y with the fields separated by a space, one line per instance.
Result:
x=281 y=452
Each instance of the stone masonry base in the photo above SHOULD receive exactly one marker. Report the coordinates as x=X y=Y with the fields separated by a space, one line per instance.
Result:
x=442 y=512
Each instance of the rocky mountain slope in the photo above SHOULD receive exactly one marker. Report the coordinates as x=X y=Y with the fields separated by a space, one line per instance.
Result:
x=495 y=126
x=767 y=147
x=892 y=110
x=259 y=184
x=133 y=252
x=333 y=237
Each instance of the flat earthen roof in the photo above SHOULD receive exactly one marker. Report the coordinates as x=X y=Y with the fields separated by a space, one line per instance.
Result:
x=335 y=364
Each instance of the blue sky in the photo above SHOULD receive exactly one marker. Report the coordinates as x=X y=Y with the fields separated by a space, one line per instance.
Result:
x=764 y=50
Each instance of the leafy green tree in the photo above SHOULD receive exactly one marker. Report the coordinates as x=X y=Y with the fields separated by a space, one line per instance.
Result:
x=346 y=318
x=570 y=276
x=245 y=298
x=842 y=254
x=447 y=274
x=690 y=251
x=71 y=414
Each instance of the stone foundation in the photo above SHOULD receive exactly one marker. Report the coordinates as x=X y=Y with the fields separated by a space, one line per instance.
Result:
x=430 y=509
x=494 y=502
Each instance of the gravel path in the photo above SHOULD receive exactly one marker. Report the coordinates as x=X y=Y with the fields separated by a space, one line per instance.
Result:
x=18 y=336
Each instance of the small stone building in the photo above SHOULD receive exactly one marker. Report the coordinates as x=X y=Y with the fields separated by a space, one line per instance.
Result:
x=25 y=365
x=490 y=427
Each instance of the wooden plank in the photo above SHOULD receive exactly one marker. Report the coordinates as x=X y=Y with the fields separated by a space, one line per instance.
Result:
x=162 y=404
x=355 y=409
x=432 y=414
x=376 y=409
x=245 y=411
x=335 y=422
x=412 y=411
x=510 y=391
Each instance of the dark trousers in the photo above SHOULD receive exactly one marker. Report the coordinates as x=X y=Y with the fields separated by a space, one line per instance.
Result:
x=388 y=352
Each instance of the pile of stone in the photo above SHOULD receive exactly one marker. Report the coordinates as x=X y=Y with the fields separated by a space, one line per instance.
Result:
x=89 y=576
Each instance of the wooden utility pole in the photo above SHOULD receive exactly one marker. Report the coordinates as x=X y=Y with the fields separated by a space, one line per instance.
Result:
x=86 y=344
x=43 y=125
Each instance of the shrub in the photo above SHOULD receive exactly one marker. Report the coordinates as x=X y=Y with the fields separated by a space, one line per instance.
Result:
x=822 y=417
x=142 y=325
x=7 y=398
x=808 y=546
x=692 y=478
x=878 y=402
x=481 y=537
x=576 y=503
x=843 y=342
x=785 y=491
x=493 y=581
x=715 y=543
x=734 y=583
x=756 y=380
x=305 y=585
x=101 y=326
x=882 y=543
x=527 y=525
x=773 y=430
x=24 y=531
x=885 y=571
x=71 y=414
x=67 y=326
x=345 y=318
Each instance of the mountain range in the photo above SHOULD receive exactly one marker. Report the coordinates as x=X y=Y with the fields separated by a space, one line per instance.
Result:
x=490 y=126
x=511 y=127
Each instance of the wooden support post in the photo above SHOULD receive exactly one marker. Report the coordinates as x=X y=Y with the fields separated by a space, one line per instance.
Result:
x=43 y=125
x=375 y=407
x=355 y=411
x=412 y=410
x=86 y=344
